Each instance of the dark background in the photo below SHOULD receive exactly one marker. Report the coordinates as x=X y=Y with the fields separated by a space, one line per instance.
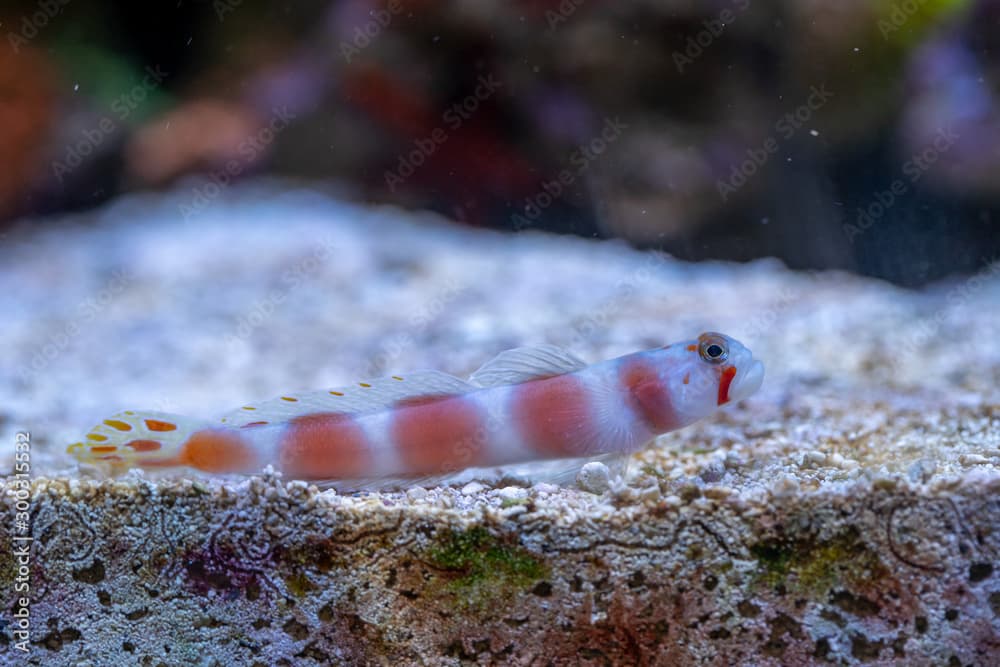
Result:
x=892 y=171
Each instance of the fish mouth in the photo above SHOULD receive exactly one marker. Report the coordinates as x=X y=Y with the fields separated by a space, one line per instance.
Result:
x=747 y=382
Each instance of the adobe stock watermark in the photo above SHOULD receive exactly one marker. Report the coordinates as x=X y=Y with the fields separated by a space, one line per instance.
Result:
x=598 y=318
x=579 y=161
x=21 y=540
x=786 y=127
x=899 y=15
x=291 y=279
x=86 y=311
x=33 y=24
x=913 y=171
x=696 y=44
x=365 y=34
x=416 y=324
x=248 y=151
x=562 y=13
x=929 y=327
x=123 y=107
x=768 y=316
x=224 y=7
x=452 y=119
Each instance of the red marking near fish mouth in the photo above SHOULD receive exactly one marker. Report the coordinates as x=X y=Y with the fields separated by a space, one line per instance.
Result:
x=725 y=380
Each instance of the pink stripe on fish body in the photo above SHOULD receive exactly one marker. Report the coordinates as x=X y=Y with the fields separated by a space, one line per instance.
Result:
x=434 y=435
x=582 y=413
x=648 y=394
x=324 y=446
x=439 y=434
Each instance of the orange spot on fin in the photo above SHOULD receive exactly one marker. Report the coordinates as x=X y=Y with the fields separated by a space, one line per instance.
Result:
x=118 y=425
x=157 y=425
x=103 y=449
x=144 y=445
x=97 y=437
x=724 y=381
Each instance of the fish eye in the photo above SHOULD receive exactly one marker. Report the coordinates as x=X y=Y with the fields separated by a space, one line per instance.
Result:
x=713 y=348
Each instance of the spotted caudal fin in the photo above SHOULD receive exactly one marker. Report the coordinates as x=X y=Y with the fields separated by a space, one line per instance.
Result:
x=137 y=438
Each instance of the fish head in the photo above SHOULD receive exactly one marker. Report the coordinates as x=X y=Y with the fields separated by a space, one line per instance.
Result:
x=710 y=372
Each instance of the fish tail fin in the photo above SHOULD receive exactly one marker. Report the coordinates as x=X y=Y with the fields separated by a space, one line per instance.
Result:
x=137 y=438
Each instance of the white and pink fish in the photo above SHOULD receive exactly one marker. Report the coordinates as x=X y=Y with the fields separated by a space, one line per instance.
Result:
x=526 y=405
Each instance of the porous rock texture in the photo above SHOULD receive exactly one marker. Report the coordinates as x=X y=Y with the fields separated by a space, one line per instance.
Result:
x=849 y=513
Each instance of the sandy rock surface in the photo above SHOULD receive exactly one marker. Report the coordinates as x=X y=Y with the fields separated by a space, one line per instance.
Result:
x=849 y=513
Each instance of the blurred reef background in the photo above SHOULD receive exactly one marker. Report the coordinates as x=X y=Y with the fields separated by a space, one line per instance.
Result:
x=860 y=135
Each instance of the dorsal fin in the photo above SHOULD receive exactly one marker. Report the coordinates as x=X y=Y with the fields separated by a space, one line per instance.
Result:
x=358 y=398
x=526 y=363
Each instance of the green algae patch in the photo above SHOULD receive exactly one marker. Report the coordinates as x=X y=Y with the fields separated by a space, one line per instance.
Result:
x=480 y=568
x=299 y=585
x=813 y=567
x=512 y=502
